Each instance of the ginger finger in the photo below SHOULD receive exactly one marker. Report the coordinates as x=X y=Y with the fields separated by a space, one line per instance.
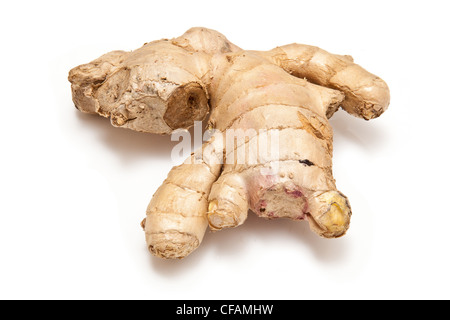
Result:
x=366 y=95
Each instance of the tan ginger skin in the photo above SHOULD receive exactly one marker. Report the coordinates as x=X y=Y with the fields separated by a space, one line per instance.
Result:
x=294 y=89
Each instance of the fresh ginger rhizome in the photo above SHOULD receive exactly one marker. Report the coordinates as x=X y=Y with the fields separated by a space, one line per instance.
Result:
x=293 y=90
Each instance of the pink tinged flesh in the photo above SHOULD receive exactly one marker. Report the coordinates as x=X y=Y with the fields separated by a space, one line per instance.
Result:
x=262 y=205
x=294 y=193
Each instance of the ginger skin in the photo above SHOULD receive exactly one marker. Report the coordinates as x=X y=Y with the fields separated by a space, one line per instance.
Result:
x=293 y=90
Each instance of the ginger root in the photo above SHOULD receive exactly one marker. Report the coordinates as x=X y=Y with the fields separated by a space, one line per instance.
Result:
x=292 y=90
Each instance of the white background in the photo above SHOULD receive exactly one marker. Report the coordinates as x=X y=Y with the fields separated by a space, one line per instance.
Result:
x=74 y=189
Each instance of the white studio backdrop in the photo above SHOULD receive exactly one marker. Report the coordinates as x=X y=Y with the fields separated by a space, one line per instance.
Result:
x=74 y=189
